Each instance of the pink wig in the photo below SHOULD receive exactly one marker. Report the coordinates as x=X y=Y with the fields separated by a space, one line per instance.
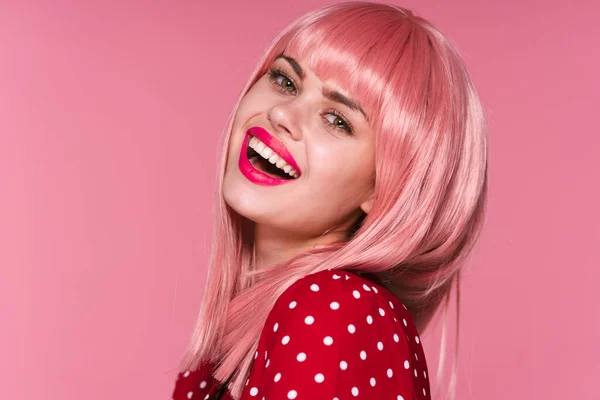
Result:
x=430 y=179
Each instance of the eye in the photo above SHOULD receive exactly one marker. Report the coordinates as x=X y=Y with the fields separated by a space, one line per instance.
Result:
x=340 y=122
x=274 y=78
x=283 y=83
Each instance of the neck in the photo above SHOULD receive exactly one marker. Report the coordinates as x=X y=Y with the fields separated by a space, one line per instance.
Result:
x=274 y=246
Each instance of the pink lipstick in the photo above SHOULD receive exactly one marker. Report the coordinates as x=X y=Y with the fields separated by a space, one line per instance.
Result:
x=260 y=177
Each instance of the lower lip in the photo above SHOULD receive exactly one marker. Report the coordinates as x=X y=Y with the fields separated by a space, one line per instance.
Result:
x=254 y=175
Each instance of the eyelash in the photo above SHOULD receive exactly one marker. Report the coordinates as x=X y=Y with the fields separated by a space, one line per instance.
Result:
x=275 y=73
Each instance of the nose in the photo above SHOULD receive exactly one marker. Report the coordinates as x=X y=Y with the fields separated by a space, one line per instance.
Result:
x=283 y=119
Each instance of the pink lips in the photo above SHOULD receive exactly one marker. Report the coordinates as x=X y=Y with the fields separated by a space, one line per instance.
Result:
x=277 y=146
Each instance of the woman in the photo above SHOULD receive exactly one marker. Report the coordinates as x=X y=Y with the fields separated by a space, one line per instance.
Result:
x=352 y=186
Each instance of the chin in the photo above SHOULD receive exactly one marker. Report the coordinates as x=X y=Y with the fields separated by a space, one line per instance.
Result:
x=241 y=203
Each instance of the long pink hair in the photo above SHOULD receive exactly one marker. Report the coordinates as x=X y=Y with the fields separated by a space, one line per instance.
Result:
x=430 y=186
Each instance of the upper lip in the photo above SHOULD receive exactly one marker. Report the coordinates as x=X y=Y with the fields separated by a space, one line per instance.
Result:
x=275 y=144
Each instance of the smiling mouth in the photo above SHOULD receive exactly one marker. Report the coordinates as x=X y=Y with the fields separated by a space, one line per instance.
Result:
x=265 y=160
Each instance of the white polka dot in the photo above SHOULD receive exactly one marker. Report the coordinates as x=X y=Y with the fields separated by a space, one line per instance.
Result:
x=380 y=345
x=190 y=394
x=400 y=398
x=396 y=338
x=424 y=392
x=347 y=277
x=202 y=384
x=416 y=356
x=415 y=372
x=404 y=321
x=293 y=304
x=390 y=373
x=267 y=364
x=328 y=340
x=275 y=327
x=351 y=328
x=255 y=355
x=381 y=312
x=406 y=364
x=301 y=357
x=343 y=365
x=334 y=305
x=404 y=307
x=369 y=319
x=372 y=380
x=319 y=378
x=356 y=294
x=247 y=380
x=363 y=355
x=253 y=391
x=186 y=374
x=292 y=394
x=391 y=305
x=424 y=374
x=206 y=397
x=309 y=320
x=355 y=391
x=417 y=339
x=368 y=289
x=336 y=276
x=285 y=339
x=277 y=377
x=374 y=289
x=314 y=287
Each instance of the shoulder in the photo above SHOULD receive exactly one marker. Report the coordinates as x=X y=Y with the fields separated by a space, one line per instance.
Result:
x=335 y=332
x=341 y=293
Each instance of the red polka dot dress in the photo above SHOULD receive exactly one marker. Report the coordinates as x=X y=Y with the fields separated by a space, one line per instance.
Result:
x=332 y=335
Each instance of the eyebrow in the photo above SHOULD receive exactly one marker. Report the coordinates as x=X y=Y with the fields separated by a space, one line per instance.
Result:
x=327 y=92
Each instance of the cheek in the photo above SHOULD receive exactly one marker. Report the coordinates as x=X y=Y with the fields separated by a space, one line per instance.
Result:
x=250 y=108
x=256 y=100
x=240 y=123
x=342 y=168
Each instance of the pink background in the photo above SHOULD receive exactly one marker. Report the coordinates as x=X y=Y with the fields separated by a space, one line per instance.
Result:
x=109 y=118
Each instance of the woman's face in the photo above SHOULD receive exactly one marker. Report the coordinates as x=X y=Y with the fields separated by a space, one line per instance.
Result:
x=329 y=143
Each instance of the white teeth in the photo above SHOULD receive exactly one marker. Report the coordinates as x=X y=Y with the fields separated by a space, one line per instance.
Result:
x=268 y=154
x=260 y=146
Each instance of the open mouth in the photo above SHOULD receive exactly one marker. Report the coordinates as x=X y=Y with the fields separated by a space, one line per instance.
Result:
x=267 y=161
